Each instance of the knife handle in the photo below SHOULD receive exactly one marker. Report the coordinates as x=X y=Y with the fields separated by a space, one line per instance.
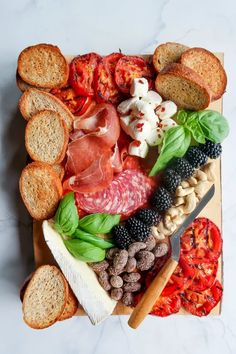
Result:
x=152 y=293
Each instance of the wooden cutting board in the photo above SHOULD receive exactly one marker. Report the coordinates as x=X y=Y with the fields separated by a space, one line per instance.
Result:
x=213 y=211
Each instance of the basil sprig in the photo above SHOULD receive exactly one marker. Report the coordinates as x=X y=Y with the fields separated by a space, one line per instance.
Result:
x=66 y=218
x=99 y=223
x=197 y=126
x=85 y=251
x=175 y=144
x=93 y=239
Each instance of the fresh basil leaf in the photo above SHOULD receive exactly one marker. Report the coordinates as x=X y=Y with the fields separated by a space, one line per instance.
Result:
x=93 y=239
x=175 y=144
x=85 y=251
x=193 y=125
x=182 y=116
x=99 y=223
x=66 y=218
x=214 y=126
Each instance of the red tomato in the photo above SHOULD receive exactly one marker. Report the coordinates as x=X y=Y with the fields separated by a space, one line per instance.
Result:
x=166 y=306
x=205 y=275
x=181 y=279
x=77 y=105
x=105 y=86
x=201 y=303
x=129 y=68
x=201 y=242
x=82 y=73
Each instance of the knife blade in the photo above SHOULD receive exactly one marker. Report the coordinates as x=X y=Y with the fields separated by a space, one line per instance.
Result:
x=175 y=238
x=155 y=289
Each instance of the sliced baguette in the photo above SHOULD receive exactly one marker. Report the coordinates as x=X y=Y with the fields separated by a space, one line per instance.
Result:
x=183 y=86
x=167 y=53
x=71 y=306
x=43 y=65
x=46 y=137
x=59 y=169
x=40 y=189
x=33 y=101
x=23 y=86
x=45 y=297
x=209 y=67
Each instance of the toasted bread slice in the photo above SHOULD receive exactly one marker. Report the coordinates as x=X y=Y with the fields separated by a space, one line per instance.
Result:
x=46 y=137
x=209 y=67
x=33 y=101
x=71 y=306
x=45 y=297
x=23 y=86
x=167 y=53
x=183 y=86
x=59 y=169
x=40 y=189
x=43 y=65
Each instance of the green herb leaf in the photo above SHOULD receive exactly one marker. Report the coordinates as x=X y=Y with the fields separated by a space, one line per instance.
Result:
x=175 y=144
x=99 y=223
x=85 y=251
x=93 y=239
x=193 y=125
x=214 y=126
x=66 y=218
x=182 y=116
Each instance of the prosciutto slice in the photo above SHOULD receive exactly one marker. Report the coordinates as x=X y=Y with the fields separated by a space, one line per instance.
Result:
x=93 y=154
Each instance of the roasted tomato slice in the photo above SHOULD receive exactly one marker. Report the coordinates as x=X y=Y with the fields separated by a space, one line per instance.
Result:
x=180 y=280
x=201 y=303
x=205 y=275
x=166 y=306
x=82 y=73
x=129 y=68
x=105 y=86
x=201 y=242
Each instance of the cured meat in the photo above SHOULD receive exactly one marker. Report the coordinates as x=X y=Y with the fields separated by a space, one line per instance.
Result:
x=90 y=158
x=96 y=177
x=128 y=191
x=102 y=122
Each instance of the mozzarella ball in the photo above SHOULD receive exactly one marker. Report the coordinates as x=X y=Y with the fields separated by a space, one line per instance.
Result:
x=125 y=106
x=139 y=129
x=166 y=124
x=155 y=137
x=166 y=110
x=152 y=98
x=138 y=148
x=142 y=109
x=139 y=87
x=125 y=123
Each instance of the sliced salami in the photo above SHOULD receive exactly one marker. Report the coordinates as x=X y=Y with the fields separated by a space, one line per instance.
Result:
x=128 y=191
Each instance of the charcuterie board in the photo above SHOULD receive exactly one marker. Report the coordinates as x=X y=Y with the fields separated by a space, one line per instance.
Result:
x=213 y=211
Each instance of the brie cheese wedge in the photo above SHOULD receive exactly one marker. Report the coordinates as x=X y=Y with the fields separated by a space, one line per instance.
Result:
x=82 y=279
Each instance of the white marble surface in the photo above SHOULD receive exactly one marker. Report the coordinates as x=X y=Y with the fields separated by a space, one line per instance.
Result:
x=104 y=26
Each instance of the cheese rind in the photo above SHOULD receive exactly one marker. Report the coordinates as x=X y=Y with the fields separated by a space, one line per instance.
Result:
x=82 y=279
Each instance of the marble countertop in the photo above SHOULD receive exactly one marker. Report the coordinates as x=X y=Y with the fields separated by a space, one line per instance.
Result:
x=105 y=26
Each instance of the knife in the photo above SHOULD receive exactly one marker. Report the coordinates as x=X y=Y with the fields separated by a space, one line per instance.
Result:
x=155 y=289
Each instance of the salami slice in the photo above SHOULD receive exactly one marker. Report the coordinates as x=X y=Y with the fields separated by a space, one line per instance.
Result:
x=128 y=191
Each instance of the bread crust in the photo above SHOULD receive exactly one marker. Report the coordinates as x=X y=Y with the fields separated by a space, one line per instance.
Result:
x=215 y=63
x=166 y=47
x=28 y=289
x=31 y=51
x=32 y=91
x=70 y=308
x=56 y=182
x=181 y=71
x=23 y=86
x=29 y=125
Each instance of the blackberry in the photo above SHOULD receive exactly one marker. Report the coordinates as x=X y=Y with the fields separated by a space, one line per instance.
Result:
x=150 y=217
x=183 y=168
x=161 y=199
x=171 y=180
x=196 y=157
x=211 y=149
x=137 y=229
x=121 y=236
